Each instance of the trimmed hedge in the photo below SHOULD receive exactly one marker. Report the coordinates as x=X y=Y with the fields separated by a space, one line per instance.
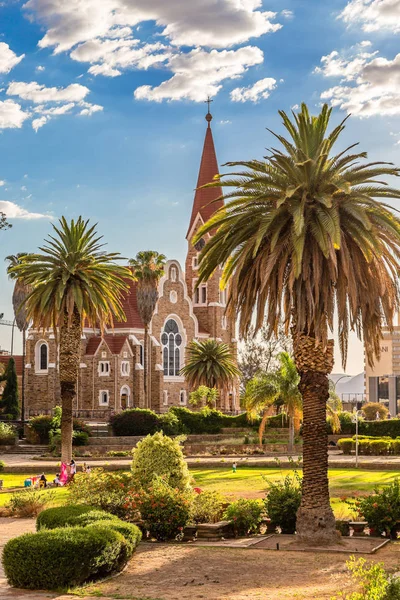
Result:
x=63 y=557
x=140 y=421
x=71 y=516
x=370 y=446
x=43 y=424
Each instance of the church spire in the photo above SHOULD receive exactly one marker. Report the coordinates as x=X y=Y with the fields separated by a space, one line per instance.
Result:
x=204 y=199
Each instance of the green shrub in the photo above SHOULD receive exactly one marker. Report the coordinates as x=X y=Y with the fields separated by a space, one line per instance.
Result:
x=119 y=453
x=208 y=507
x=30 y=502
x=71 y=516
x=283 y=501
x=165 y=510
x=63 y=557
x=379 y=447
x=246 y=515
x=8 y=435
x=364 y=446
x=80 y=438
x=372 y=581
x=160 y=455
x=100 y=489
x=345 y=445
x=382 y=509
x=2 y=466
x=390 y=427
x=41 y=426
x=134 y=421
x=396 y=446
x=169 y=424
x=129 y=531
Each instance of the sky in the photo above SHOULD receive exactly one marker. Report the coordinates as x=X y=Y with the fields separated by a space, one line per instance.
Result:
x=102 y=105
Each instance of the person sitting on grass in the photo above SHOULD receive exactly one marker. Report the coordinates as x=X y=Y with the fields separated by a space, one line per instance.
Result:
x=42 y=481
x=57 y=481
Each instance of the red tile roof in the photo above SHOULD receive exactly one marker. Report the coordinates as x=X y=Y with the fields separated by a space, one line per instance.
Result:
x=204 y=199
x=131 y=311
x=114 y=342
x=4 y=358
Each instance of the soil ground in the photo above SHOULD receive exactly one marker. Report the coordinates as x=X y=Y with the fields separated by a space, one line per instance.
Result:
x=161 y=572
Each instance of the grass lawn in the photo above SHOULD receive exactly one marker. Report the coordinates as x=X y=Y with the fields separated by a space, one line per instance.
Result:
x=252 y=482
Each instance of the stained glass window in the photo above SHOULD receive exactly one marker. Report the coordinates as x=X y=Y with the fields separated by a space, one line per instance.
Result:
x=171 y=340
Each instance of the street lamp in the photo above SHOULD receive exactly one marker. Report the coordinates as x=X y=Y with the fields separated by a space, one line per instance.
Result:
x=356 y=415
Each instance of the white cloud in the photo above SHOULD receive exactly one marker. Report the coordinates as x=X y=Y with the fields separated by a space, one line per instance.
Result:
x=295 y=107
x=226 y=122
x=2 y=182
x=110 y=57
x=287 y=14
x=373 y=85
x=8 y=58
x=89 y=109
x=336 y=65
x=199 y=73
x=373 y=15
x=39 y=93
x=40 y=68
x=13 y=211
x=23 y=188
x=211 y=23
x=38 y=123
x=11 y=115
x=253 y=93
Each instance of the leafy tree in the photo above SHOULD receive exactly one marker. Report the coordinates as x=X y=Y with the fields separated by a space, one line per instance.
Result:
x=162 y=456
x=20 y=294
x=9 y=401
x=260 y=353
x=210 y=363
x=304 y=236
x=148 y=268
x=73 y=280
x=204 y=396
x=4 y=224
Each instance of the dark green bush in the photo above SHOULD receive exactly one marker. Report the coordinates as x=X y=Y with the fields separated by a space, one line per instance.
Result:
x=278 y=421
x=131 y=532
x=245 y=515
x=80 y=438
x=135 y=421
x=364 y=446
x=63 y=557
x=169 y=424
x=8 y=436
x=283 y=501
x=72 y=515
x=43 y=424
x=379 y=447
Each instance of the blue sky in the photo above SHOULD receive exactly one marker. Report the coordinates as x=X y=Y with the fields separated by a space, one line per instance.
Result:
x=102 y=114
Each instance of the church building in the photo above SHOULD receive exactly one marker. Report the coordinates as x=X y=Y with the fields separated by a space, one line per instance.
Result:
x=111 y=366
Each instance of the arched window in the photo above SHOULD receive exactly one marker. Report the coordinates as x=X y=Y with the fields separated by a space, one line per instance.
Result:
x=171 y=340
x=42 y=357
x=173 y=273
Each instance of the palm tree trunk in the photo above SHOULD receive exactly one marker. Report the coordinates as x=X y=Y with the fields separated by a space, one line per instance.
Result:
x=70 y=342
x=145 y=350
x=315 y=519
x=291 y=434
x=23 y=379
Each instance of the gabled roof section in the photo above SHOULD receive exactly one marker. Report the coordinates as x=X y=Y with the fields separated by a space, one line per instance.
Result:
x=204 y=199
x=92 y=345
x=115 y=344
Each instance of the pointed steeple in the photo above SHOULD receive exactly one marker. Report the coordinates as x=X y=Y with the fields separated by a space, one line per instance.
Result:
x=204 y=199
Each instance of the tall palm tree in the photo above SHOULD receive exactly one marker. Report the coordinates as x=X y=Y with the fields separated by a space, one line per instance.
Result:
x=148 y=268
x=73 y=280
x=280 y=384
x=210 y=363
x=302 y=235
x=20 y=293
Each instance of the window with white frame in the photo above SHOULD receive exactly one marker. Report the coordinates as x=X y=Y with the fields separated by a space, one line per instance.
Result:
x=171 y=341
x=165 y=398
x=182 y=397
x=200 y=294
x=104 y=355
x=104 y=368
x=224 y=322
x=42 y=357
x=104 y=397
x=222 y=297
x=125 y=367
x=195 y=262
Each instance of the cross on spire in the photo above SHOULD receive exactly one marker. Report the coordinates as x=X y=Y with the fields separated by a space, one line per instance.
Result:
x=208 y=115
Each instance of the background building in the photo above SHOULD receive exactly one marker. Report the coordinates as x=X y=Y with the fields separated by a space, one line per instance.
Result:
x=111 y=367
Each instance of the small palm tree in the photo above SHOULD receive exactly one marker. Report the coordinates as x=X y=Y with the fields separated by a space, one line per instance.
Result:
x=72 y=280
x=302 y=237
x=148 y=268
x=210 y=363
x=268 y=387
x=20 y=293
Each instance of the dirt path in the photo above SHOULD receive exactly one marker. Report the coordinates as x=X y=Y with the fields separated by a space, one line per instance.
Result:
x=160 y=572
